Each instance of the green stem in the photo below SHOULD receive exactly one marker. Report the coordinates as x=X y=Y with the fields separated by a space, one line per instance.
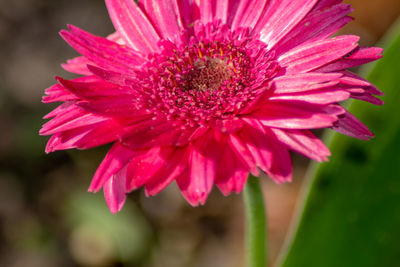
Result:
x=256 y=224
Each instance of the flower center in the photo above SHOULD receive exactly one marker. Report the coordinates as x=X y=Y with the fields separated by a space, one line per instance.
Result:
x=212 y=76
x=209 y=74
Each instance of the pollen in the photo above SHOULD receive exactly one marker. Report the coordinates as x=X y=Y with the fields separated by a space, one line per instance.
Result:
x=209 y=75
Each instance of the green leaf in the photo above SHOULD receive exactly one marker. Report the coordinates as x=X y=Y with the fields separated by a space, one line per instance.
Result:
x=124 y=237
x=351 y=215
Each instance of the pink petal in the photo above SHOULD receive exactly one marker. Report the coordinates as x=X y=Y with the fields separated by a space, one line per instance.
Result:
x=228 y=125
x=232 y=179
x=90 y=87
x=360 y=56
x=232 y=173
x=149 y=132
x=269 y=154
x=280 y=17
x=143 y=166
x=351 y=126
x=196 y=185
x=85 y=137
x=104 y=53
x=368 y=98
x=282 y=168
x=313 y=55
x=315 y=26
x=64 y=107
x=322 y=97
x=207 y=8
x=174 y=164
x=57 y=93
x=190 y=12
x=110 y=76
x=304 y=82
x=76 y=117
x=133 y=26
x=257 y=144
x=242 y=152
x=303 y=142
x=296 y=115
x=165 y=16
x=115 y=160
x=77 y=65
x=114 y=191
x=248 y=13
x=63 y=140
x=352 y=79
x=322 y=4
x=114 y=106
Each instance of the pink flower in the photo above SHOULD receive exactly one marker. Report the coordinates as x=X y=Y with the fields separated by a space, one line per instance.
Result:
x=205 y=92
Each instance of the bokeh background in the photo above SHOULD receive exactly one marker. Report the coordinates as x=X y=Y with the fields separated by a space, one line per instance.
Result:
x=46 y=216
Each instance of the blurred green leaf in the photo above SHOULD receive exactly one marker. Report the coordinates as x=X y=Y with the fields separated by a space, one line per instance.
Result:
x=125 y=236
x=351 y=215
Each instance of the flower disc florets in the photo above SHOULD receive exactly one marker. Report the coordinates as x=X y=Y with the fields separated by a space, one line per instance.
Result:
x=214 y=76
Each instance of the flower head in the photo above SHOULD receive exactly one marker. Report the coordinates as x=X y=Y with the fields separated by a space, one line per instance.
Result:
x=205 y=92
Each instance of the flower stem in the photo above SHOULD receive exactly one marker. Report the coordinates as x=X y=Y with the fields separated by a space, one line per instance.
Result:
x=256 y=224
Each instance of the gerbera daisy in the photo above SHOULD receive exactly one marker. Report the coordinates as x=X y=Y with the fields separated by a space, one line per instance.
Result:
x=205 y=92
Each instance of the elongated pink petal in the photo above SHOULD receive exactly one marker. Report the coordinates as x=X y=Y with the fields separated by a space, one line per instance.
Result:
x=74 y=118
x=77 y=65
x=368 y=98
x=349 y=125
x=165 y=16
x=115 y=160
x=114 y=106
x=231 y=173
x=280 y=17
x=292 y=115
x=174 y=164
x=360 y=56
x=228 y=125
x=313 y=55
x=90 y=87
x=197 y=184
x=143 y=166
x=116 y=78
x=207 y=8
x=315 y=26
x=282 y=168
x=114 y=191
x=222 y=10
x=322 y=4
x=304 y=82
x=233 y=179
x=248 y=13
x=57 y=93
x=104 y=53
x=190 y=12
x=322 y=97
x=133 y=26
x=85 y=137
x=269 y=154
x=303 y=142
x=63 y=141
x=258 y=146
x=148 y=132
x=242 y=152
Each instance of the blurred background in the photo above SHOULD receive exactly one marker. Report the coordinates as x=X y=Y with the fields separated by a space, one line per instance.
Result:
x=46 y=216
